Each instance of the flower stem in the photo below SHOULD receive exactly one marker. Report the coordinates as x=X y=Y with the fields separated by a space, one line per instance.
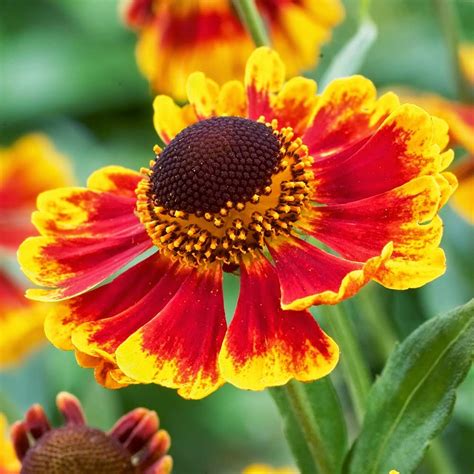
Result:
x=296 y=401
x=354 y=367
x=449 y=25
x=379 y=325
x=253 y=21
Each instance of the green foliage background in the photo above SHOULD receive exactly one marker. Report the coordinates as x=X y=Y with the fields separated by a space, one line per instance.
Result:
x=68 y=69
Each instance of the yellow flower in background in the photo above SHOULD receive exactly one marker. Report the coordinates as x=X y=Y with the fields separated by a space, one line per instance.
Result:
x=466 y=56
x=177 y=38
x=9 y=463
x=463 y=198
x=264 y=469
x=134 y=445
x=28 y=167
x=21 y=322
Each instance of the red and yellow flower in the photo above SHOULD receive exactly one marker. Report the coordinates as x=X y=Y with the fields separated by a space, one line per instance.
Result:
x=134 y=445
x=178 y=38
x=28 y=167
x=252 y=174
x=31 y=165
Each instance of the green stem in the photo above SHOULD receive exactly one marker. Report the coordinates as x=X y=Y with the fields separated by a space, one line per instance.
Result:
x=354 y=367
x=253 y=21
x=297 y=401
x=449 y=25
x=370 y=309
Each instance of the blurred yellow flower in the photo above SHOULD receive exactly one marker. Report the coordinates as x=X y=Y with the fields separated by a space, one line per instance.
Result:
x=463 y=198
x=21 y=322
x=264 y=469
x=178 y=38
x=29 y=166
x=9 y=463
x=466 y=56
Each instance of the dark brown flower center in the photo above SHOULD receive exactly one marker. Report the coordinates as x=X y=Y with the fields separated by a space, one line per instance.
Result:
x=77 y=450
x=213 y=162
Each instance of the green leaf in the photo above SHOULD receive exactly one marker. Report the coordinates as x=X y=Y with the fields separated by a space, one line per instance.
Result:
x=313 y=424
x=413 y=399
x=350 y=58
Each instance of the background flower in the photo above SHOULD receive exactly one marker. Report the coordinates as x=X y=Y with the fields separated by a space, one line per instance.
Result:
x=178 y=38
x=27 y=167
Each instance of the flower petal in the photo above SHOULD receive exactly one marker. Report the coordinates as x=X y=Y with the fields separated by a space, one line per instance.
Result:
x=459 y=116
x=117 y=180
x=267 y=346
x=405 y=216
x=202 y=94
x=87 y=235
x=107 y=300
x=72 y=266
x=82 y=212
x=295 y=103
x=310 y=276
x=169 y=119
x=155 y=283
x=405 y=146
x=178 y=348
x=232 y=100
x=346 y=113
x=264 y=75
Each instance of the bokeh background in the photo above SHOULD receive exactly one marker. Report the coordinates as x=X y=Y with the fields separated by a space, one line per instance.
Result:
x=68 y=70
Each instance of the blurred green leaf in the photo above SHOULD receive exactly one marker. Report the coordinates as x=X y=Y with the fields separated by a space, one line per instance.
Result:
x=413 y=398
x=322 y=408
x=350 y=58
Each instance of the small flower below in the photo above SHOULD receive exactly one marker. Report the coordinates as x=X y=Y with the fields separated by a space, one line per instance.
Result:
x=264 y=469
x=133 y=446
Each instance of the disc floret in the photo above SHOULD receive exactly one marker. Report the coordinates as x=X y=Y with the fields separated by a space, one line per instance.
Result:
x=279 y=183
